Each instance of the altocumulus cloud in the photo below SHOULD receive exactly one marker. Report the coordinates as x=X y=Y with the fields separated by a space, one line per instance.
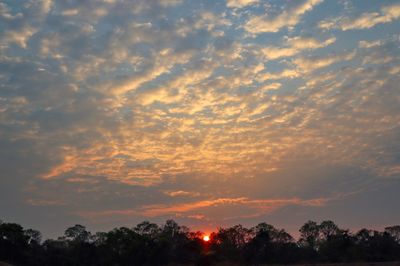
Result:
x=210 y=112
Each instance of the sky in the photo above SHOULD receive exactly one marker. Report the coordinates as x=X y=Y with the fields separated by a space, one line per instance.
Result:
x=209 y=112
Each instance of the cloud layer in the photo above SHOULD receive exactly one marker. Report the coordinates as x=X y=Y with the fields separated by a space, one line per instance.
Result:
x=211 y=113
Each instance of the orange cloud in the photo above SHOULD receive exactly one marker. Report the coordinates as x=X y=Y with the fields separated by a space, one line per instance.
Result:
x=288 y=18
x=261 y=205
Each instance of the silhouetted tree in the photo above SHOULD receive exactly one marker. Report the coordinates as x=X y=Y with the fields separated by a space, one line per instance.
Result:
x=327 y=230
x=376 y=246
x=150 y=244
x=77 y=233
x=147 y=229
x=336 y=246
x=34 y=237
x=271 y=245
x=309 y=235
x=228 y=242
x=13 y=243
x=394 y=231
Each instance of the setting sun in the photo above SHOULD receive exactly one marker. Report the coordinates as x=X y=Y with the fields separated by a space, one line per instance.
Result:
x=206 y=238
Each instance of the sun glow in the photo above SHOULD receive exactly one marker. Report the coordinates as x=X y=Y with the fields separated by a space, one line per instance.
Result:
x=206 y=238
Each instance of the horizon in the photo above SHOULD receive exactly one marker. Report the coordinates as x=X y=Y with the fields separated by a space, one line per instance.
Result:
x=210 y=113
x=205 y=231
x=149 y=244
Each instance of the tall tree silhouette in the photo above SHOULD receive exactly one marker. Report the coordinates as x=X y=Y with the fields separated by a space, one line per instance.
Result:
x=171 y=243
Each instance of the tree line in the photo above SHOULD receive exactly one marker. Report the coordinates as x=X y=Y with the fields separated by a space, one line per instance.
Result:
x=150 y=244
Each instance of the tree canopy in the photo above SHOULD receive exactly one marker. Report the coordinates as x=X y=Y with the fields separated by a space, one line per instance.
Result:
x=150 y=244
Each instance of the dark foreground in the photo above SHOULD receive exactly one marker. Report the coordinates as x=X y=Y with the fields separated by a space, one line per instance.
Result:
x=315 y=264
x=172 y=244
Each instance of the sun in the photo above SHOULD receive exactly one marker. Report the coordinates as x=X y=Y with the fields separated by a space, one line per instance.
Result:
x=206 y=238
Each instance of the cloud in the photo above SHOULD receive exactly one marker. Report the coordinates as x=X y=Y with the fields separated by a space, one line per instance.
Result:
x=20 y=37
x=268 y=205
x=284 y=74
x=308 y=64
x=294 y=46
x=288 y=18
x=181 y=193
x=309 y=43
x=167 y=3
x=42 y=202
x=70 y=12
x=367 y=44
x=172 y=91
x=197 y=216
x=262 y=206
x=113 y=108
x=240 y=3
x=387 y=14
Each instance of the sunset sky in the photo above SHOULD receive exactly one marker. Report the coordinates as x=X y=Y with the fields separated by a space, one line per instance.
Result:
x=209 y=112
